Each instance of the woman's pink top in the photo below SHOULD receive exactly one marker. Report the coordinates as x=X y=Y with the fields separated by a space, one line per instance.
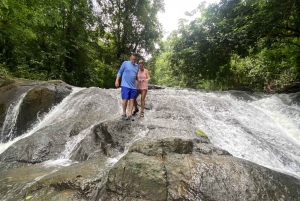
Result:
x=142 y=76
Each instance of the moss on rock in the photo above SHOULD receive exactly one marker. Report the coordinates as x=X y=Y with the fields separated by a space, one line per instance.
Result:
x=200 y=132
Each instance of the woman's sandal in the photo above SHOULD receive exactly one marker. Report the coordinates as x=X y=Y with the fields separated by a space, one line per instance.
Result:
x=142 y=114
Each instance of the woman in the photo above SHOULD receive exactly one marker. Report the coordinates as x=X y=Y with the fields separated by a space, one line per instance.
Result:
x=143 y=77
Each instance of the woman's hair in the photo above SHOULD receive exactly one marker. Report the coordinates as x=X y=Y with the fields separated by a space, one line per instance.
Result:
x=141 y=61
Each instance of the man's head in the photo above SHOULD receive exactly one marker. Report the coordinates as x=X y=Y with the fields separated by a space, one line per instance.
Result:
x=133 y=57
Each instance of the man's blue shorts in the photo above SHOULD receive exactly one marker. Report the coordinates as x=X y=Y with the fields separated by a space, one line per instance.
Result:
x=128 y=93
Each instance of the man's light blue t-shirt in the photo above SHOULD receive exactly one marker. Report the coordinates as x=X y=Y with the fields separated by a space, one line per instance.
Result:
x=128 y=72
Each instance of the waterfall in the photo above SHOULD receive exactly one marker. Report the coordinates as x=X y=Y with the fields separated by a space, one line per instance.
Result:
x=263 y=129
x=9 y=124
x=45 y=122
x=70 y=146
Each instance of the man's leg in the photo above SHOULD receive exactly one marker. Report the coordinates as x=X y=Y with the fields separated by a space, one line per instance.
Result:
x=131 y=103
x=124 y=105
x=125 y=92
x=133 y=93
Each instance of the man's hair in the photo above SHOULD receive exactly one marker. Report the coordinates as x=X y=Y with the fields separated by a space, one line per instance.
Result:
x=134 y=54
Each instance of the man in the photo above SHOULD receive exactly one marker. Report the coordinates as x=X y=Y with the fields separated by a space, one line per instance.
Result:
x=128 y=72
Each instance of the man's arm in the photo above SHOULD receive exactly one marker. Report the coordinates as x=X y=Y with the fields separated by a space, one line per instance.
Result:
x=120 y=73
x=117 y=82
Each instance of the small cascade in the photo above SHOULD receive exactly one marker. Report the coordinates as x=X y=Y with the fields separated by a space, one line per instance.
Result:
x=46 y=121
x=139 y=136
x=70 y=146
x=9 y=124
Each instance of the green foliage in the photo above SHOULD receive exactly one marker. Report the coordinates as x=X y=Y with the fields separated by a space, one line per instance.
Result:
x=237 y=43
x=200 y=132
x=73 y=40
x=3 y=69
x=131 y=26
x=162 y=73
x=234 y=44
x=29 y=197
x=270 y=69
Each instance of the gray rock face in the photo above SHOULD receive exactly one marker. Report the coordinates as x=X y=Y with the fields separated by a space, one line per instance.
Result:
x=39 y=97
x=171 y=169
x=84 y=151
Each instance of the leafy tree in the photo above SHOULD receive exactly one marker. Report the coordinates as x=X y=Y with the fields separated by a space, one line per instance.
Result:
x=131 y=26
x=16 y=21
x=253 y=29
x=49 y=40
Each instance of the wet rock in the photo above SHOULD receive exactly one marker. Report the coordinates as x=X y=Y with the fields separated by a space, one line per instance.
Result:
x=39 y=98
x=137 y=176
x=36 y=103
x=2 y=111
x=292 y=88
x=152 y=86
x=241 y=88
x=31 y=150
x=108 y=138
x=296 y=98
x=163 y=156
x=162 y=147
x=74 y=182
x=145 y=173
x=162 y=169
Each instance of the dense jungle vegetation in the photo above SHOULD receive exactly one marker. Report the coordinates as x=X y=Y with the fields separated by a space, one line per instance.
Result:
x=252 y=44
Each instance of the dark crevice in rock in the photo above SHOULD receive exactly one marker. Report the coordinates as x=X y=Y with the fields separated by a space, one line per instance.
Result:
x=164 y=168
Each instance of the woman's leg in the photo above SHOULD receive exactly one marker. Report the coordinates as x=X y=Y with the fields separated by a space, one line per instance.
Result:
x=143 y=98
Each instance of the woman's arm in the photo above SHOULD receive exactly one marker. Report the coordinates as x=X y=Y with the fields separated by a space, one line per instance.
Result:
x=148 y=75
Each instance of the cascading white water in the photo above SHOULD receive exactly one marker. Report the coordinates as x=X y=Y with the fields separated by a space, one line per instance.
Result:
x=70 y=146
x=263 y=129
x=49 y=119
x=11 y=116
x=139 y=136
x=74 y=141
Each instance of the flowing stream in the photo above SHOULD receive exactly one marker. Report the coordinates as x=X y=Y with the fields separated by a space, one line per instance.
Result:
x=48 y=120
x=264 y=129
x=9 y=123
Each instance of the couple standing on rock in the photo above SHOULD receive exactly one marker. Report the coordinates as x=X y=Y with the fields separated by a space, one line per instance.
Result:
x=134 y=82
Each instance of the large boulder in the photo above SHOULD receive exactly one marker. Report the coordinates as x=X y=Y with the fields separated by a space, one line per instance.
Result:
x=177 y=169
x=36 y=103
x=24 y=102
x=171 y=168
x=152 y=170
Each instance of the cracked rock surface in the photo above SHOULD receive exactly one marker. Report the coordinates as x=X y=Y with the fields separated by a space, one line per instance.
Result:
x=176 y=169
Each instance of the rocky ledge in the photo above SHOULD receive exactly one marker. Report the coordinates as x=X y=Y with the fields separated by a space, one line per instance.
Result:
x=152 y=170
x=38 y=98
